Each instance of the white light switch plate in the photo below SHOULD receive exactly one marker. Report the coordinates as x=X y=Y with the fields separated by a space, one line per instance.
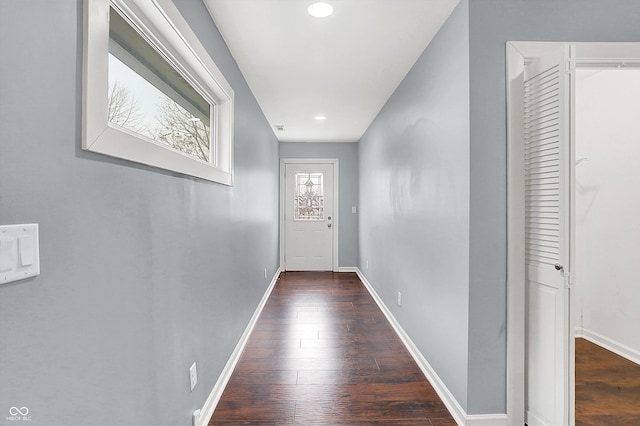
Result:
x=8 y=248
x=19 y=252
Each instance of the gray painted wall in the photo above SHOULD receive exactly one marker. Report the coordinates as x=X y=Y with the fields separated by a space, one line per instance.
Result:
x=414 y=202
x=143 y=271
x=347 y=154
x=492 y=24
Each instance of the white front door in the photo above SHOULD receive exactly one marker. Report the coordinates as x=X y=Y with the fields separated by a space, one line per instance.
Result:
x=309 y=217
x=547 y=237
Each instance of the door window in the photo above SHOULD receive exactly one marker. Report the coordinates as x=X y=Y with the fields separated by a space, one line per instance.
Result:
x=309 y=197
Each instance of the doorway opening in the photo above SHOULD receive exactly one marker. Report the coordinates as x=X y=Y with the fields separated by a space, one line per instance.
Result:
x=556 y=360
x=607 y=388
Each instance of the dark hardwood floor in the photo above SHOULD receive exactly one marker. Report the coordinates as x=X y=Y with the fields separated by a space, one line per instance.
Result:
x=607 y=387
x=322 y=352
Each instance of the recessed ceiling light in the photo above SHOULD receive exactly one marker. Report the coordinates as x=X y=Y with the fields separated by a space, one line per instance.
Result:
x=320 y=117
x=320 y=9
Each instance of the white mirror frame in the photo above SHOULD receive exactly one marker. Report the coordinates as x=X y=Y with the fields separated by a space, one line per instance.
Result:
x=161 y=23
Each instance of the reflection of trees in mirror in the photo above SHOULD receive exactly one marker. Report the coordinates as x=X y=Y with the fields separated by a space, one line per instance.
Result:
x=175 y=127
x=124 y=109
x=179 y=129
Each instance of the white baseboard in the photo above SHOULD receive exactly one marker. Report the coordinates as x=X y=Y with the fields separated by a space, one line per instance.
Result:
x=214 y=397
x=611 y=345
x=486 y=420
x=348 y=269
x=533 y=420
x=456 y=410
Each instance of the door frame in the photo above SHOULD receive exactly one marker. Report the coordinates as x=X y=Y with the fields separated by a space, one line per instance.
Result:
x=518 y=54
x=336 y=207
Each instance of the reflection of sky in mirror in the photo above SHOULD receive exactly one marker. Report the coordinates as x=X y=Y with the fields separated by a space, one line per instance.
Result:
x=149 y=98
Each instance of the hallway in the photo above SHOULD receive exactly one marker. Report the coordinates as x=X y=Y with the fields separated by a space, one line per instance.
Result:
x=322 y=352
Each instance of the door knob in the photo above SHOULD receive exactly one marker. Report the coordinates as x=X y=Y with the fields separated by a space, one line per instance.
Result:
x=329 y=218
x=329 y=226
x=558 y=267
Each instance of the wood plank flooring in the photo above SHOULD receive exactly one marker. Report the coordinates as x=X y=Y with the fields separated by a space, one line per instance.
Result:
x=322 y=352
x=607 y=387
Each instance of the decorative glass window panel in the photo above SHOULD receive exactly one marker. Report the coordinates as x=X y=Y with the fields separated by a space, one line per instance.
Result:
x=308 y=197
x=147 y=96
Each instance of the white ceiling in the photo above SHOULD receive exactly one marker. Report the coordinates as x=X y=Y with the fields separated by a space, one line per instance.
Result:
x=344 y=66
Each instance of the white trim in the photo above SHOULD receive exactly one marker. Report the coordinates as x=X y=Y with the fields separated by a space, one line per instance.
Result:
x=570 y=294
x=456 y=410
x=611 y=345
x=515 y=233
x=161 y=22
x=216 y=393
x=336 y=204
x=486 y=420
x=533 y=420
x=281 y=244
x=348 y=269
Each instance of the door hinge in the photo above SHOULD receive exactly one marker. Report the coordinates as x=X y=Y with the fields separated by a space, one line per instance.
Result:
x=570 y=66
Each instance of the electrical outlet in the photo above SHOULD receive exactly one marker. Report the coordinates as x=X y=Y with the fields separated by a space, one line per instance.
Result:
x=265 y=272
x=193 y=374
x=399 y=299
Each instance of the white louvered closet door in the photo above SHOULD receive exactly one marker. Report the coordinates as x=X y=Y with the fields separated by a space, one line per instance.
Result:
x=547 y=208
